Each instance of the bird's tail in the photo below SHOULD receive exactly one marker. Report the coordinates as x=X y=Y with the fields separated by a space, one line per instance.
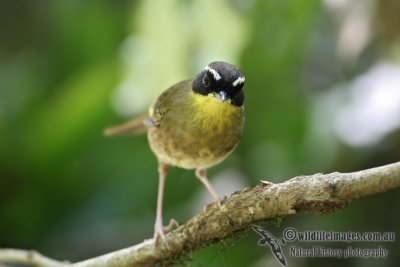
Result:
x=136 y=126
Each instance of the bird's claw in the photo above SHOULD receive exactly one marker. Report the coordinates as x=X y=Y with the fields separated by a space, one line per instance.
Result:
x=208 y=205
x=160 y=231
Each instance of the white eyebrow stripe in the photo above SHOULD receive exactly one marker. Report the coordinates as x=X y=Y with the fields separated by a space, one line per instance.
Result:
x=216 y=75
x=238 y=80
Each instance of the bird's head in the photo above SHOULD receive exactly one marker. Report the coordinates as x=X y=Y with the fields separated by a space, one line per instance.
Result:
x=222 y=80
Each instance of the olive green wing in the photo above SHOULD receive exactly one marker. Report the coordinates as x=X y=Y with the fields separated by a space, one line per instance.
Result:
x=167 y=101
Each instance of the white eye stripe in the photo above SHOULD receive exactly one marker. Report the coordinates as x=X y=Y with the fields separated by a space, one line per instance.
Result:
x=216 y=75
x=239 y=80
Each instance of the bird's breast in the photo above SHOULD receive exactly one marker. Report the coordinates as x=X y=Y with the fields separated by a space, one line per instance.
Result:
x=198 y=132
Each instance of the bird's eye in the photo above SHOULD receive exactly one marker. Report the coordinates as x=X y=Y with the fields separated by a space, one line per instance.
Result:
x=206 y=81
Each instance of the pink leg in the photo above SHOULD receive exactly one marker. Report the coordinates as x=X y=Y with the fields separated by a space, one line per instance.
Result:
x=158 y=227
x=202 y=175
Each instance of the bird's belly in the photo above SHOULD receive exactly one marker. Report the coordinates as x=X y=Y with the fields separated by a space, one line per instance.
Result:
x=192 y=144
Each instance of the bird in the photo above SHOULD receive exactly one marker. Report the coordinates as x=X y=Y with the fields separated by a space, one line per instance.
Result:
x=194 y=124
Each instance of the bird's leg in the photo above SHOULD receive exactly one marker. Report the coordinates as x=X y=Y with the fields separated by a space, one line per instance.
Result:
x=159 y=229
x=202 y=175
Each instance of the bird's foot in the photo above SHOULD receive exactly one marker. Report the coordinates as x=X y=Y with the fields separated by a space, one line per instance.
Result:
x=215 y=202
x=160 y=231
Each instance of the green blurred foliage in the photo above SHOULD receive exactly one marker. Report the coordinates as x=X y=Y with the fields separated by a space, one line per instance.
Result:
x=70 y=193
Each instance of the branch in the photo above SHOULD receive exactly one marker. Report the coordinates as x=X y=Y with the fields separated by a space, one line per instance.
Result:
x=18 y=256
x=318 y=193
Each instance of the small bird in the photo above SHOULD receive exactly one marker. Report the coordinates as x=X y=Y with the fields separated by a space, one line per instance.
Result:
x=194 y=124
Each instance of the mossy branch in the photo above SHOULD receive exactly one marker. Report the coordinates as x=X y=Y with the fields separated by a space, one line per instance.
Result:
x=318 y=193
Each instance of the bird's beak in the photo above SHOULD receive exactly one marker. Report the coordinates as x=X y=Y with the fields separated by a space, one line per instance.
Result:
x=223 y=96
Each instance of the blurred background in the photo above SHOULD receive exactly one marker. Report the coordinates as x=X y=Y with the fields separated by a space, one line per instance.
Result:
x=322 y=95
